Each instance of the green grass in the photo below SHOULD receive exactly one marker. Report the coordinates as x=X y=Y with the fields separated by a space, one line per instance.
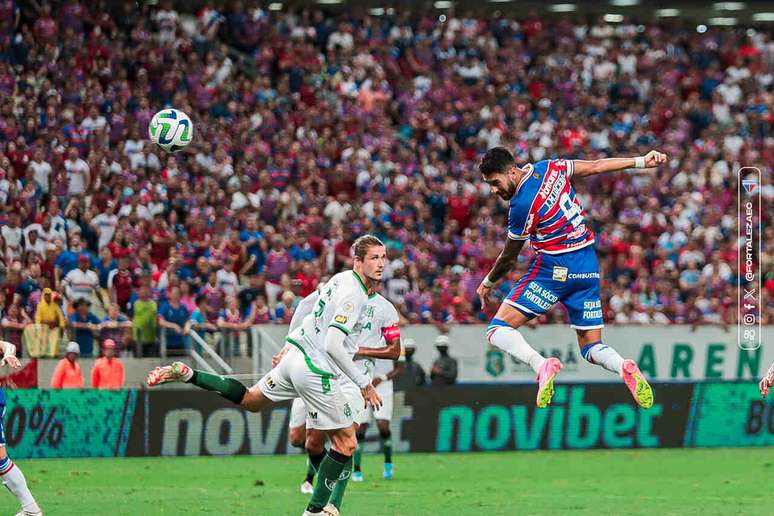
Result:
x=649 y=482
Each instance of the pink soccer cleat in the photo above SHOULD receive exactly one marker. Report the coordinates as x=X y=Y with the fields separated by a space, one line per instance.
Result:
x=545 y=378
x=177 y=372
x=637 y=384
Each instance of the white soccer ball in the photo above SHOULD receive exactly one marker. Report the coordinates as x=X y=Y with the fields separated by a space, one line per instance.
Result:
x=170 y=129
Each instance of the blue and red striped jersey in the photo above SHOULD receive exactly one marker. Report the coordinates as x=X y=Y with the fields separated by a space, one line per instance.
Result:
x=546 y=210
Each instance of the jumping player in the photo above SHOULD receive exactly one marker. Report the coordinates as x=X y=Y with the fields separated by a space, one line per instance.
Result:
x=12 y=476
x=314 y=369
x=544 y=209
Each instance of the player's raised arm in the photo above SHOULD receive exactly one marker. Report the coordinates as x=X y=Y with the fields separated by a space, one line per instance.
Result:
x=583 y=168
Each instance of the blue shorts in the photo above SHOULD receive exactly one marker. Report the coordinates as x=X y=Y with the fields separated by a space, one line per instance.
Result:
x=568 y=278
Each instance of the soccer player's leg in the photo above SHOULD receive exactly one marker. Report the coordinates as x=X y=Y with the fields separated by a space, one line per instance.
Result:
x=362 y=419
x=581 y=297
x=530 y=297
x=297 y=436
x=383 y=417
x=355 y=400
x=14 y=479
x=329 y=410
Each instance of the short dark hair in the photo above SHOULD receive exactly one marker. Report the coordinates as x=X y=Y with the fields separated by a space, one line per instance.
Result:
x=496 y=160
x=361 y=245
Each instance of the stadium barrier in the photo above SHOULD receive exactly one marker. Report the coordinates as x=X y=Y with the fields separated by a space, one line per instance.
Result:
x=674 y=353
x=89 y=423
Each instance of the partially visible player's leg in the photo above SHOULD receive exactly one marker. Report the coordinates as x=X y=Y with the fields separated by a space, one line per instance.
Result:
x=503 y=332
x=336 y=466
x=298 y=438
x=383 y=416
x=584 y=307
x=357 y=474
x=229 y=388
x=386 y=436
x=13 y=478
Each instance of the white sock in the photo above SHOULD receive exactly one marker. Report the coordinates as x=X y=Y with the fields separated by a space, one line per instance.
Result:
x=601 y=354
x=512 y=342
x=14 y=480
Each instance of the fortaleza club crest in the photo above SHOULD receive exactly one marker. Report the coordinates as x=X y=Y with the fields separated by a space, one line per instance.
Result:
x=495 y=362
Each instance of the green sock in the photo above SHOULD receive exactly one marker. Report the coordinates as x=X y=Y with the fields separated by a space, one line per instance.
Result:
x=231 y=389
x=327 y=476
x=311 y=469
x=357 y=457
x=338 y=492
x=387 y=443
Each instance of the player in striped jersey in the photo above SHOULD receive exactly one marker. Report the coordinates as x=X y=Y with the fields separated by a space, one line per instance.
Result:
x=10 y=473
x=544 y=209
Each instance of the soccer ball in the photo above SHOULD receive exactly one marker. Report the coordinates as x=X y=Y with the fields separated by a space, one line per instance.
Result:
x=170 y=129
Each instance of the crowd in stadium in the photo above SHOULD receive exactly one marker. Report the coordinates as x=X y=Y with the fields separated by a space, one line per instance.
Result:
x=312 y=130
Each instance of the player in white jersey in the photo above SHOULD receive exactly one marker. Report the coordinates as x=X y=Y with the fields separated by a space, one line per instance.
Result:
x=315 y=368
x=378 y=340
x=382 y=373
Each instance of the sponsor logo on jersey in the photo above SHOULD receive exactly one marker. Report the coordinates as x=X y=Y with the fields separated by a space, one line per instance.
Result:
x=560 y=274
x=583 y=275
x=270 y=383
x=341 y=319
x=548 y=183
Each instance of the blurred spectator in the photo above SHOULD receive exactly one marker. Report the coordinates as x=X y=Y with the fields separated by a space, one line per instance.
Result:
x=444 y=370
x=284 y=311
x=67 y=374
x=413 y=375
x=116 y=327
x=81 y=282
x=108 y=371
x=198 y=320
x=13 y=323
x=48 y=312
x=144 y=322
x=85 y=326
x=172 y=317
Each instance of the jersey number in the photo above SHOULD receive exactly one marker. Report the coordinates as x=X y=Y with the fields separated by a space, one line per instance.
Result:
x=571 y=210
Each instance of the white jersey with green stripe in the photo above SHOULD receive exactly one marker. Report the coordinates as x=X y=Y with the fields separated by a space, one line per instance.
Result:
x=341 y=304
x=380 y=314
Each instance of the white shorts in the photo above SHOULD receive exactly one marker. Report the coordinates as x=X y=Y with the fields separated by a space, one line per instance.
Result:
x=385 y=412
x=330 y=403
x=297 y=414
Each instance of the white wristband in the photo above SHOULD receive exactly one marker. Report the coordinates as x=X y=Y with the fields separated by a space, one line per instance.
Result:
x=487 y=283
x=639 y=162
x=383 y=378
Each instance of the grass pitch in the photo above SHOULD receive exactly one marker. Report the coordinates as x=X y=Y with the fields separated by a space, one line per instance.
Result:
x=649 y=482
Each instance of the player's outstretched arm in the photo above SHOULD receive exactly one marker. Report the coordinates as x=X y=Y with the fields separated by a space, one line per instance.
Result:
x=583 y=168
x=9 y=355
x=502 y=265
